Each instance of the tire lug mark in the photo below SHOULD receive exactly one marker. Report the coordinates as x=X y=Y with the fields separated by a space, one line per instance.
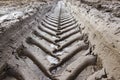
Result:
x=66 y=22
x=41 y=35
x=54 y=16
x=71 y=54
x=53 y=21
x=70 y=38
x=44 y=37
x=72 y=70
x=50 y=23
x=69 y=26
x=42 y=64
x=68 y=43
x=47 y=26
x=66 y=18
x=30 y=40
x=66 y=30
x=66 y=36
x=48 y=32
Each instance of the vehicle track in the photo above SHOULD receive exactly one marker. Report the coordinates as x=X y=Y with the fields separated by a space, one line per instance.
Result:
x=56 y=49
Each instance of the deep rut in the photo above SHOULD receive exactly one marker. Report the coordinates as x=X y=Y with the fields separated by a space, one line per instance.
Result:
x=57 y=49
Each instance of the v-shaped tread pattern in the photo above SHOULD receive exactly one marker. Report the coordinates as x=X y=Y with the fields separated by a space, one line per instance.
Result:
x=59 y=39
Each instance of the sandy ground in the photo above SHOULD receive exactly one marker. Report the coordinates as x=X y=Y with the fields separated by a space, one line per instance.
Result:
x=100 y=20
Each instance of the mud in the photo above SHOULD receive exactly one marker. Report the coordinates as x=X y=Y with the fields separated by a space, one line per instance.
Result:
x=60 y=40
